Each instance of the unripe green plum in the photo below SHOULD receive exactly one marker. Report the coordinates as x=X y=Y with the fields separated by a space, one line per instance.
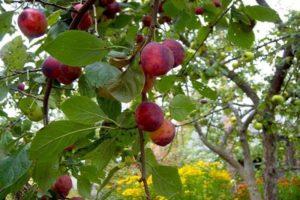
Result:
x=258 y=126
x=248 y=56
x=277 y=99
x=35 y=114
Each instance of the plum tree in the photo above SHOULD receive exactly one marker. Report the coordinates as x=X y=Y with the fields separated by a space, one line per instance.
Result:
x=156 y=59
x=32 y=23
x=164 y=135
x=63 y=185
x=51 y=68
x=149 y=116
x=177 y=50
x=68 y=74
x=86 y=21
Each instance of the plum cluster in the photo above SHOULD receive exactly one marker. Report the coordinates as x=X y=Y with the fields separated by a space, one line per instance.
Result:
x=157 y=59
x=150 y=117
x=64 y=74
x=61 y=188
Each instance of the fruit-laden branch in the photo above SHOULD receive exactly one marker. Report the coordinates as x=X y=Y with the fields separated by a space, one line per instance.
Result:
x=154 y=11
x=210 y=26
x=86 y=6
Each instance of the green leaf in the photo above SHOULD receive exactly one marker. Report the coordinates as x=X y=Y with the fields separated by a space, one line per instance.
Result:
x=5 y=25
x=240 y=37
x=121 y=21
x=165 y=83
x=205 y=90
x=166 y=181
x=82 y=109
x=50 y=141
x=203 y=33
x=77 y=48
x=262 y=13
x=54 y=17
x=85 y=88
x=101 y=74
x=129 y=84
x=14 y=54
x=110 y=107
x=181 y=106
x=101 y=156
x=44 y=173
x=170 y=9
x=13 y=168
x=84 y=186
x=3 y=91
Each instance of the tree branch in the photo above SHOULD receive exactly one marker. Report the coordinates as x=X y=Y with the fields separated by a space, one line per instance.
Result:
x=220 y=151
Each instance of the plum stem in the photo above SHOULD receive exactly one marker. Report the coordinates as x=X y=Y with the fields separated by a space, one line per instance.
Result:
x=46 y=100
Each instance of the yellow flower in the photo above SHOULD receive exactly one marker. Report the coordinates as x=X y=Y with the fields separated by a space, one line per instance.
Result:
x=220 y=174
x=160 y=198
x=149 y=180
x=189 y=170
x=132 y=192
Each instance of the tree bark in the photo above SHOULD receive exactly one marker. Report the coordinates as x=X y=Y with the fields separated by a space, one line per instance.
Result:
x=269 y=136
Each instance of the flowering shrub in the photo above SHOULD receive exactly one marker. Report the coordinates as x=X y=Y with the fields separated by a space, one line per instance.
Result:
x=201 y=181
x=289 y=189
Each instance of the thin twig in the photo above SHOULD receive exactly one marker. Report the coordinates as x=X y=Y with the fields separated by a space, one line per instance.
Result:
x=46 y=4
x=46 y=100
x=16 y=73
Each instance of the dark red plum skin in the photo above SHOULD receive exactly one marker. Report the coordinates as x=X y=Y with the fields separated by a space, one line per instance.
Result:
x=149 y=116
x=63 y=185
x=199 y=11
x=164 y=135
x=86 y=21
x=156 y=59
x=105 y=2
x=32 y=23
x=147 y=20
x=51 y=68
x=112 y=9
x=21 y=86
x=69 y=74
x=177 y=50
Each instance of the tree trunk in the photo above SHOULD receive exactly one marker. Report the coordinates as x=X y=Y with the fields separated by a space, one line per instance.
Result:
x=270 y=171
x=290 y=160
x=252 y=188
